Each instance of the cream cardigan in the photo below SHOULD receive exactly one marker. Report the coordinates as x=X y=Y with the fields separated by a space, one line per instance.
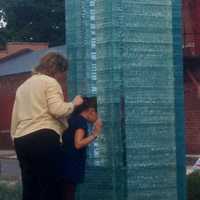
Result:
x=39 y=103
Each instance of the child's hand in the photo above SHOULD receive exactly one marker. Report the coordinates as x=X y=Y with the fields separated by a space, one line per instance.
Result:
x=97 y=127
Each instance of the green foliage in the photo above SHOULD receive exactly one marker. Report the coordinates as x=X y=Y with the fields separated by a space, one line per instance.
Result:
x=10 y=191
x=2 y=38
x=193 y=186
x=34 y=20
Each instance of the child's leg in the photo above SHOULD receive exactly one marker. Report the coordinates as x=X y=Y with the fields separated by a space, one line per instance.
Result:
x=70 y=191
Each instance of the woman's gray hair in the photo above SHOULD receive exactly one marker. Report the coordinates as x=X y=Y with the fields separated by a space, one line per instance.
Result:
x=51 y=63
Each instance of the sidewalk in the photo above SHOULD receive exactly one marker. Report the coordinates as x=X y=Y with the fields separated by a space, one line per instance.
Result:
x=9 y=166
x=8 y=154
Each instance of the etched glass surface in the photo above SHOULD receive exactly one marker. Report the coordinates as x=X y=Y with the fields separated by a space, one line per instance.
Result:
x=81 y=47
x=135 y=55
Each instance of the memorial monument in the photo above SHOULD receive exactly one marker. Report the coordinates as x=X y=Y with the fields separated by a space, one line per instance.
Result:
x=129 y=54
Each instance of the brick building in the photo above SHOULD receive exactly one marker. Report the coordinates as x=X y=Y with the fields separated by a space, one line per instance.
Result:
x=192 y=104
x=13 y=72
x=191 y=33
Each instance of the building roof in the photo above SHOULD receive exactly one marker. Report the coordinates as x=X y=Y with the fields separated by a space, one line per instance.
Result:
x=16 y=48
x=26 y=62
x=15 y=54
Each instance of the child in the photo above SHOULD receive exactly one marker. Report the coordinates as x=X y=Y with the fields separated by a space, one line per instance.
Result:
x=75 y=141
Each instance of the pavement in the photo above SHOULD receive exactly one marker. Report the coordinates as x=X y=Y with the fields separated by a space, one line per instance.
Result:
x=9 y=166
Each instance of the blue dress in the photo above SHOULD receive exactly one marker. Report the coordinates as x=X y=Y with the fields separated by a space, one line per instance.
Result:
x=74 y=159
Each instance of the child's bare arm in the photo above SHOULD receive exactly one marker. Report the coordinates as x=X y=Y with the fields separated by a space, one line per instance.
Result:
x=82 y=141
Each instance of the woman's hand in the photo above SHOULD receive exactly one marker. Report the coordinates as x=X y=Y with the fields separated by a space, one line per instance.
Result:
x=77 y=101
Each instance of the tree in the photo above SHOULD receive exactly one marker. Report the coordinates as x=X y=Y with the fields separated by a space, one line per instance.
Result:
x=34 y=20
x=2 y=38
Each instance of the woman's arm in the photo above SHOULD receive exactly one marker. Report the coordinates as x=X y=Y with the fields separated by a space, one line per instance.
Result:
x=55 y=100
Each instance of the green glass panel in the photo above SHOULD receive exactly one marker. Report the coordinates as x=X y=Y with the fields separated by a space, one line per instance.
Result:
x=81 y=47
x=136 y=53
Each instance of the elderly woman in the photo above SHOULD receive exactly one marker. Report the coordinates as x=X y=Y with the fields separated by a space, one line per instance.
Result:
x=37 y=128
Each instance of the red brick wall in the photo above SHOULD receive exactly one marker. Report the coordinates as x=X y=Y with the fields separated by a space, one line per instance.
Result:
x=8 y=86
x=192 y=116
x=191 y=27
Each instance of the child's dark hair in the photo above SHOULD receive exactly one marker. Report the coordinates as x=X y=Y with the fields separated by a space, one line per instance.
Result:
x=88 y=102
